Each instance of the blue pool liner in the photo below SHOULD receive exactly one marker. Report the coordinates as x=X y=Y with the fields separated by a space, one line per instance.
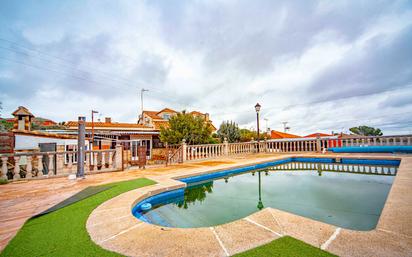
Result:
x=178 y=194
x=154 y=200
x=372 y=149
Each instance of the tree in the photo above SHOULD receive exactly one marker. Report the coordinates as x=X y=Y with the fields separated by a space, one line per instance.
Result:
x=366 y=131
x=5 y=125
x=247 y=135
x=184 y=126
x=229 y=130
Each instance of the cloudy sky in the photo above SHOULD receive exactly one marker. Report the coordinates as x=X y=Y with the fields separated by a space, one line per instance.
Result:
x=320 y=65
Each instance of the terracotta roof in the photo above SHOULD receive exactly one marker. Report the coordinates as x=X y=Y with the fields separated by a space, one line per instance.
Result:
x=8 y=119
x=316 y=134
x=167 y=110
x=279 y=135
x=114 y=125
x=152 y=114
x=44 y=122
x=42 y=134
x=22 y=111
x=196 y=113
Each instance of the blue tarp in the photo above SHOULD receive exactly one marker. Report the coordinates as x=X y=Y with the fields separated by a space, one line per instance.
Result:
x=372 y=149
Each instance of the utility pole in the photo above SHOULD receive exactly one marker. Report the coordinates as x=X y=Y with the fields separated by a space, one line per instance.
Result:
x=80 y=147
x=93 y=112
x=141 y=98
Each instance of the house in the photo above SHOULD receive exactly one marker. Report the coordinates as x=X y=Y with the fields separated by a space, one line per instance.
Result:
x=274 y=134
x=158 y=119
x=105 y=135
x=318 y=135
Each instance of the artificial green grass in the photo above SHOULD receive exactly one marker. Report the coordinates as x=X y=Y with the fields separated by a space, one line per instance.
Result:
x=286 y=247
x=63 y=232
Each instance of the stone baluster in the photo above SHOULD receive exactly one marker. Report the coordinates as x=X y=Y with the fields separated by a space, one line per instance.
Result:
x=70 y=162
x=29 y=167
x=51 y=165
x=39 y=165
x=4 y=168
x=103 y=160
x=16 y=167
x=409 y=141
x=94 y=155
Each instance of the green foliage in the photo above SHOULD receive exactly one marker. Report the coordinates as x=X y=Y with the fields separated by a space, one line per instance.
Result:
x=63 y=232
x=184 y=126
x=247 y=135
x=229 y=130
x=195 y=193
x=5 y=125
x=366 y=131
x=285 y=247
x=3 y=181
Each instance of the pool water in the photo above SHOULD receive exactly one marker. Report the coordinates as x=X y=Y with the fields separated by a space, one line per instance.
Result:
x=347 y=200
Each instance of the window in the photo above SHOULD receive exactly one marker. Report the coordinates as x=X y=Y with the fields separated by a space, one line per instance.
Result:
x=166 y=116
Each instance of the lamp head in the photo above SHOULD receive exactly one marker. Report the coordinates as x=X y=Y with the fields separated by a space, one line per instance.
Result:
x=257 y=107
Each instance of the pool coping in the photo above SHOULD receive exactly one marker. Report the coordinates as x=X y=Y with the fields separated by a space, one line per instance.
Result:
x=113 y=226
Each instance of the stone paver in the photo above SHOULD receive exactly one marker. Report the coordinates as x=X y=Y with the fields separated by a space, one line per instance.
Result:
x=113 y=226
x=242 y=235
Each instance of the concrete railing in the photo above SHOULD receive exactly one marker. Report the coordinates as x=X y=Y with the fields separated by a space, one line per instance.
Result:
x=29 y=165
x=338 y=167
x=377 y=140
x=196 y=152
x=289 y=145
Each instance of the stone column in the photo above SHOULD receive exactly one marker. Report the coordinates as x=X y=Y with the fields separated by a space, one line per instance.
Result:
x=60 y=164
x=184 y=150
x=29 y=167
x=318 y=146
x=118 y=158
x=16 y=167
x=4 y=168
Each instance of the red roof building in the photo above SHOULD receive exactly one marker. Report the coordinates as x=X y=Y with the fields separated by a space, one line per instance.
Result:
x=281 y=135
x=318 y=134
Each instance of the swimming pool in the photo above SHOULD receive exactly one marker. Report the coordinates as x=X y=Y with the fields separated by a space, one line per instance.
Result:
x=349 y=193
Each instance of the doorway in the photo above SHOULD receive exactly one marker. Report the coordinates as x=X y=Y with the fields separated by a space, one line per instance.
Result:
x=141 y=142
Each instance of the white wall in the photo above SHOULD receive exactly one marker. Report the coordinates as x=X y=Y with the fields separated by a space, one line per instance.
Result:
x=31 y=142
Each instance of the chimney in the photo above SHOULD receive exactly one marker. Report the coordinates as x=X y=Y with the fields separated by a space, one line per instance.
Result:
x=207 y=116
x=108 y=120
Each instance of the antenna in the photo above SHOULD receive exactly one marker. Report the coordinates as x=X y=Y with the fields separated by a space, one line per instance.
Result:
x=141 y=98
x=285 y=127
x=266 y=121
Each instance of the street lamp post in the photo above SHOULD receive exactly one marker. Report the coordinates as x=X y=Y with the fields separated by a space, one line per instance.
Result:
x=257 y=108
x=260 y=203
